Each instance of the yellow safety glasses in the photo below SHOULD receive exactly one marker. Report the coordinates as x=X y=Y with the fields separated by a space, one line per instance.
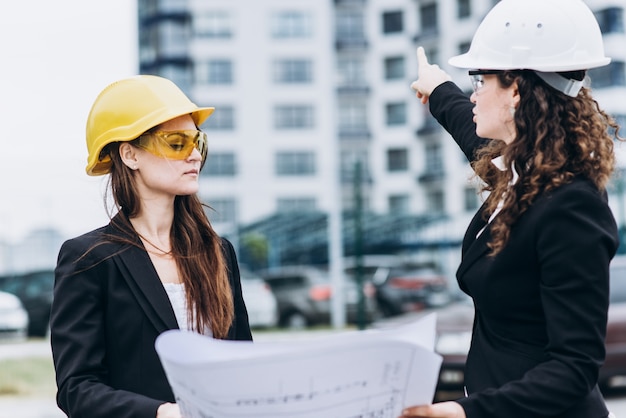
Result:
x=175 y=145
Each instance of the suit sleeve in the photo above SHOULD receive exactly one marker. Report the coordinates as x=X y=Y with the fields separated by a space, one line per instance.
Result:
x=240 y=330
x=575 y=242
x=78 y=346
x=453 y=110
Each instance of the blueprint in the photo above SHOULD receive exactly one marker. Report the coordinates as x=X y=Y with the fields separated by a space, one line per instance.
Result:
x=356 y=374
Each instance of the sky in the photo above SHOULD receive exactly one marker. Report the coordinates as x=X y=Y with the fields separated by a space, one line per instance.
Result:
x=56 y=56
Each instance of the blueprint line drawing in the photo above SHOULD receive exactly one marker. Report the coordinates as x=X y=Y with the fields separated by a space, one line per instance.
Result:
x=358 y=374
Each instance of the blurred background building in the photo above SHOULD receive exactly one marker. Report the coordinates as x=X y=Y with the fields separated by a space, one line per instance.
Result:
x=314 y=108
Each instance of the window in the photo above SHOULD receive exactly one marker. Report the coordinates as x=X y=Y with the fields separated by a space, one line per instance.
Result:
x=395 y=113
x=293 y=117
x=291 y=24
x=219 y=71
x=435 y=201
x=611 y=20
x=609 y=75
x=296 y=204
x=351 y=71
x=224 y=210
x=213 y=24
x=397 y=159
x=222 y=119
x=220 y=164
x=292 y=71
x=394 y=68
x=353 y=117
x=392 y=22
x=464 y=8
x=428 y=19
x=348 y=164
x=464 y=47
x=399 y=204
x=434 y=158
x=471 y=199
x=350 y=25
x=180 y=75
x=296 y=163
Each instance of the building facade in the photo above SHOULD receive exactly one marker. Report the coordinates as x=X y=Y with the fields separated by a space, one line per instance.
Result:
x=306 y=90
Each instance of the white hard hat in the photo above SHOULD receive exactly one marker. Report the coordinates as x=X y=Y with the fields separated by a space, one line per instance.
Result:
x=541 y=35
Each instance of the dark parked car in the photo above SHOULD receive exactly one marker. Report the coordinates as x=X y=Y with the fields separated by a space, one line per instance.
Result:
x=454 y=331
x=404 y=288
x=34 y=289
x=304 y=296
x=613 y=372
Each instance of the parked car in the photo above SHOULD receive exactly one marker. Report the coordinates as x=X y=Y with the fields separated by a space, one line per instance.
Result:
x=34 y=289
x=304 y=296
x=404 y=288
x=454 y=331
x=260 y=301
x=13 y=318
x=613 y=371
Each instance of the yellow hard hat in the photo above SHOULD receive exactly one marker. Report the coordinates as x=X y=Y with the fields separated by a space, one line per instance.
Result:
x=127 y=108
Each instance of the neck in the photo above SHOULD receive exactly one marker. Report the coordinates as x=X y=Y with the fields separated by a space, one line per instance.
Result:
x=153 y=227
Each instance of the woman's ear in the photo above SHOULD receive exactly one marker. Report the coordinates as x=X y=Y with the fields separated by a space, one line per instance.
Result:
x=128 y=154
x=515 y=97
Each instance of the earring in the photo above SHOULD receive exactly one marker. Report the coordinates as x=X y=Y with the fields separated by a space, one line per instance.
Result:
x=512 y=110
x=135 y=167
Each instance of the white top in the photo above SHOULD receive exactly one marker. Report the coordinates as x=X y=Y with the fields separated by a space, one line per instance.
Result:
x=176 y=293
x=498 y=162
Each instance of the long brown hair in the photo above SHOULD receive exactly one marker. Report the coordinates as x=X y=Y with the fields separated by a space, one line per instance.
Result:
x=196 y=248
x=557 y=138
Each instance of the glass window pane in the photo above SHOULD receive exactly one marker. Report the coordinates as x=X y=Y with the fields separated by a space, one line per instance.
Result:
x=392 y=22
x=293 y=117
x=295 y=163
x=397 y=159
x=396 y=113
x=292 y=71
x=220 y=164
x=291 y=24
x=394 y=68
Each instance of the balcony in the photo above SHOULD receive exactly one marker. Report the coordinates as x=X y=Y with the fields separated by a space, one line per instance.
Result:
x=351 y=44
x=350 y=2
x=429 y=127
x=431 y=176
x=347 y=134
x=353 y=90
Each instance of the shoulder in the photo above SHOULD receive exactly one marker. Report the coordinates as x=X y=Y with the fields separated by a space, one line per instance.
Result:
x=228 y=250
x=95 y=244
x=579 y=193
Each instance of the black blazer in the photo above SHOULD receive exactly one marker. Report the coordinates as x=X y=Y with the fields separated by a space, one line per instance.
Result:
x=541 y=303
x=109 y=307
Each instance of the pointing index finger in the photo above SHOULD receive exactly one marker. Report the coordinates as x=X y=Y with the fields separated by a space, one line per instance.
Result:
x=422 y=61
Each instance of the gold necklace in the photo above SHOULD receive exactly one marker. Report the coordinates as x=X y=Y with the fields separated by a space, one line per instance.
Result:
x=163 y=252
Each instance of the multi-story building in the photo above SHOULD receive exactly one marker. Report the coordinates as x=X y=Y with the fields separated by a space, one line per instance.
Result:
x=304 y=90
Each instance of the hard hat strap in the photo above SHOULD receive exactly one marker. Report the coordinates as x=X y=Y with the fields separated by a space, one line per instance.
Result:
x=562 y=84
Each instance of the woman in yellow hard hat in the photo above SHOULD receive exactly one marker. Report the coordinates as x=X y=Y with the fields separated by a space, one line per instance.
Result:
x=157 y=265
x=535 y=258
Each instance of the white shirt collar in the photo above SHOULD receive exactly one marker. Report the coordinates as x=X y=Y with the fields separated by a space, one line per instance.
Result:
x=499 y=163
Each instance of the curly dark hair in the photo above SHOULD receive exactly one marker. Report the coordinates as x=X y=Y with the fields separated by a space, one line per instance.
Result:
x=558 y=137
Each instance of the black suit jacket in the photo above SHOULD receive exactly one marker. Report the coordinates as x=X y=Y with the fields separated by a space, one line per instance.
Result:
x=541 y=303
x=109 y=307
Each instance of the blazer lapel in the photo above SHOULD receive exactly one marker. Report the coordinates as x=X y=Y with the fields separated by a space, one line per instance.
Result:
x=138 y=271
x=474 y=247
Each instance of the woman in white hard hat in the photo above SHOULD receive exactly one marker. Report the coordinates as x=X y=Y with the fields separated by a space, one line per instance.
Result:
x=535 y=258
x=158 y=265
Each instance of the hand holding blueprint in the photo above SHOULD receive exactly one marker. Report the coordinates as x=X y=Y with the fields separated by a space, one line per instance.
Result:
x=356 y=374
